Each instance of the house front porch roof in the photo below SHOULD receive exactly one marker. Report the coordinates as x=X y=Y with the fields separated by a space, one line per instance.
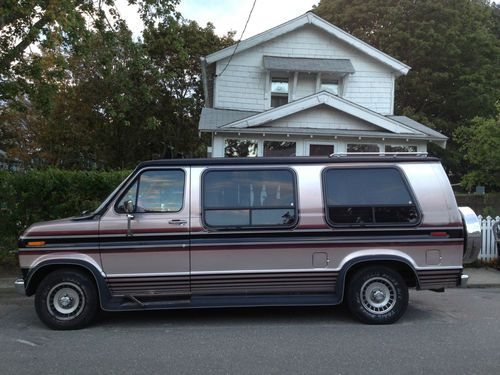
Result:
x=231 y=121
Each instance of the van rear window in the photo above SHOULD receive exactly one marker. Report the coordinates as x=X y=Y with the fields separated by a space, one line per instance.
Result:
x=249 y=198
x=362 y=196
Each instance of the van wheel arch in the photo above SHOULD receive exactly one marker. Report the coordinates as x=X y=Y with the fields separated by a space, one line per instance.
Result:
x=35 y=276
x=406 y=270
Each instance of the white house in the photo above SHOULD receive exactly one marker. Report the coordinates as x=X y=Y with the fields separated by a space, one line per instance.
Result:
x=306 y=87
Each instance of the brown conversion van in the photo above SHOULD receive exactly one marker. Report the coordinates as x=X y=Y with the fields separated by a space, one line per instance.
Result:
x=194 y=233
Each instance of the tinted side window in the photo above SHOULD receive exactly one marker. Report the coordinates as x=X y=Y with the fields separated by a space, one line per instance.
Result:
x=250 y=198
x=159 y=191
x=365 y=196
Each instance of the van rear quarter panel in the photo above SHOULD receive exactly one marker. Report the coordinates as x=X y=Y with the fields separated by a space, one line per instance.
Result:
x=434 y=194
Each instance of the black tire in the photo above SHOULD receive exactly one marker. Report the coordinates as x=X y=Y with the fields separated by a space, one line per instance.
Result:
x=377 y=295
x=66 y=299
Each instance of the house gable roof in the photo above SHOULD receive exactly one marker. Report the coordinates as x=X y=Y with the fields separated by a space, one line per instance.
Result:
x=328 y=99
x=312 y=19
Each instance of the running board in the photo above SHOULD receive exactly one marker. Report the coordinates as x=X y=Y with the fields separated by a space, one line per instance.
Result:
x=131 y=303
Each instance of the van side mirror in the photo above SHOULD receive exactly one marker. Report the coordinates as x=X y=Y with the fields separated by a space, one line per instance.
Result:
x=129 y=207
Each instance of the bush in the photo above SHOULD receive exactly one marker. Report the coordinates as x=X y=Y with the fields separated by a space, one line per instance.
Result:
x=26 y=198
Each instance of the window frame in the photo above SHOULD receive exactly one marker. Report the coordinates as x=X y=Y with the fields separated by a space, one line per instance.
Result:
x=137 y=178
x=365 y=144
x=375 y=224
x=328 y=81
x=400 y=145
x=254 y=141
x=248 y=227
x=307 y=146
x=278 y=141
x=282 y=77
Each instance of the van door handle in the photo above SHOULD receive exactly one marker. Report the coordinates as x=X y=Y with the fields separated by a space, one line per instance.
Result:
x=177 y=222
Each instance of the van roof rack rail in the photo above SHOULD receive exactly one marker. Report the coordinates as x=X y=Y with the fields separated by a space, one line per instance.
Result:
x=392 y=154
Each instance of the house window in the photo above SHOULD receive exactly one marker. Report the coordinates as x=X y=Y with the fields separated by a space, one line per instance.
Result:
x=350 y=203
x=279 y=91
x=321 y=149
x=277 y=148
x=249 y=198
x=240 y=148
x=330 y=85
x=362 y=147
x=400 y=148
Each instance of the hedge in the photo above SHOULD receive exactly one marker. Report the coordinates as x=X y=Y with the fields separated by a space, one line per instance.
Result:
x=33 y=196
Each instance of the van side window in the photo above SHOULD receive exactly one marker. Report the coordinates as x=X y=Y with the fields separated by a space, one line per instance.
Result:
x=158 y=191
x=362 y=196
x=249 y=198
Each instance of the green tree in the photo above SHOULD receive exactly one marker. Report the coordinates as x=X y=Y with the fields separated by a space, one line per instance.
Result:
x=108 y=101
x=480 y=144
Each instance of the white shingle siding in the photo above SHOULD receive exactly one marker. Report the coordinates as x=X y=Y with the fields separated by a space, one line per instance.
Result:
x=242 y=86
x=323 y=118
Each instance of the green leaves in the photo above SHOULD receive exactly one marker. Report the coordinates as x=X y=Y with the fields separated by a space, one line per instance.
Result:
x=35 y=196
x=102 y=99
x=480 y=144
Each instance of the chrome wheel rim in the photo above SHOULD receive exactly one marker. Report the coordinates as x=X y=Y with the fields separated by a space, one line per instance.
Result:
x=65 y=301
x=378 y=295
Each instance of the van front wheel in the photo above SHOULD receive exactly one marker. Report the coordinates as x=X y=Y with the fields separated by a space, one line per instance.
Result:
x=66 y=299
x=377 y=295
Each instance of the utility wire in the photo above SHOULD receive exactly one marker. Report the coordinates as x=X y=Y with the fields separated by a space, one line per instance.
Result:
x=238 y=43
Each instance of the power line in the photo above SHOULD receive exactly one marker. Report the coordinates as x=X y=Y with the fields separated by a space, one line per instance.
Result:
x=241 y=37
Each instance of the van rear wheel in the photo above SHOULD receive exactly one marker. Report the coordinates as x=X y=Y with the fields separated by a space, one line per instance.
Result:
x=377 y=295
x=66 y=299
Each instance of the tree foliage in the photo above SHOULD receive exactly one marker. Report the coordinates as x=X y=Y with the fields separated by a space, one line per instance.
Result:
x=480 y=144
x=104 y=98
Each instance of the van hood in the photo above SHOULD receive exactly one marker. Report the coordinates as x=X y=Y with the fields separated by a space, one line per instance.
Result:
x=71 y=226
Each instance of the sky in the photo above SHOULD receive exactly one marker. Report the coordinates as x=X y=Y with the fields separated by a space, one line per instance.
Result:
x=227 y=15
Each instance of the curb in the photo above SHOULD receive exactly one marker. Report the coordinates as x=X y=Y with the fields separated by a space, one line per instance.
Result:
x=482 y=286
x=7 y=283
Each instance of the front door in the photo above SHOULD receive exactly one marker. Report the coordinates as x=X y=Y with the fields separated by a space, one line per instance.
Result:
x=145 y=252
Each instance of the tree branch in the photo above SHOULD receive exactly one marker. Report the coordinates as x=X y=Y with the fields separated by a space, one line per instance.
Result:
x=7 y=59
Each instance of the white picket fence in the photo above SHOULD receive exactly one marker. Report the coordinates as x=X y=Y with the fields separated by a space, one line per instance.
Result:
x=489 y=247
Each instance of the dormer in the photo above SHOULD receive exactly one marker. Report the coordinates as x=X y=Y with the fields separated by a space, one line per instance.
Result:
x=283 y=73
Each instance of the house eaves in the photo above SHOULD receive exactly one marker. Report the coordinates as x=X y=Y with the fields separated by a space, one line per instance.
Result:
x=346 y=133
x=310 y=18
x=328 y=99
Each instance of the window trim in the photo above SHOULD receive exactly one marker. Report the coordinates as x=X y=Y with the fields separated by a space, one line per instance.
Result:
x=278 y=141
x=370 y=225
x=248 y=227
x=255 y=141
x=307 y=146
x=283 y=76
x=365 y=143
x=135 y=179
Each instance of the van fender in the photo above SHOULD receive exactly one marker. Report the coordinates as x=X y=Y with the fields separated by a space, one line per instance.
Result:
x=79 y=261
x=371 y=256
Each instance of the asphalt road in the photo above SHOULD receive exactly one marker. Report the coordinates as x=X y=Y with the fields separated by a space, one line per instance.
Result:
x=457 y=332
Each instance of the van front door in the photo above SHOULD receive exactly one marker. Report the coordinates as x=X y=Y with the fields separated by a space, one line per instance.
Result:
x=144 y=235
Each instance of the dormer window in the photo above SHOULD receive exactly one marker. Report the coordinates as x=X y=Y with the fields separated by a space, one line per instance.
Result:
x=279 y=91
x=330 y=85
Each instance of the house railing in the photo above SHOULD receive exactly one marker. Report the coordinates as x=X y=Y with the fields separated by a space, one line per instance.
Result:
x=489 y=248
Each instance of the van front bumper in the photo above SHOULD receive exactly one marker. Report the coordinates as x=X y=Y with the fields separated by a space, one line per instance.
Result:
x=19 y=286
